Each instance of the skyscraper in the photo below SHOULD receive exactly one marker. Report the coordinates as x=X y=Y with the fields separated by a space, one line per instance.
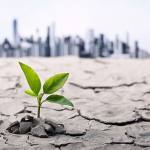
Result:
x=52 y=40
x=47 y=43
x=15 y=33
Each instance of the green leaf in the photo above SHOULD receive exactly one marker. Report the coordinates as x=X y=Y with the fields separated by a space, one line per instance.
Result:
x=32 y=78
x=54 y=83
x=30 y=92
x=58 y=99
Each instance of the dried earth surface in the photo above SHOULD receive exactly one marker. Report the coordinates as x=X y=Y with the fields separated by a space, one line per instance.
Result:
x=111 y=98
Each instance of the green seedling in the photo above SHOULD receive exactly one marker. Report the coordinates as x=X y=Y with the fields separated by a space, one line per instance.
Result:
x=50 y=86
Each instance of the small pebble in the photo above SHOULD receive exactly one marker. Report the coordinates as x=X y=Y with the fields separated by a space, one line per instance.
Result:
x=39 y=131
x=13 y=126
x=60 y=129
x=25 y=127
x=49 y=129
x=27 y=118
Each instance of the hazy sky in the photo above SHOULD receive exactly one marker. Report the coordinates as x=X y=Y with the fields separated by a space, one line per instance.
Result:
x=77 y=16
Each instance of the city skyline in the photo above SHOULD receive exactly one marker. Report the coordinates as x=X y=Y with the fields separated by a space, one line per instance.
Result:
x=76 y=17
x=91 y=47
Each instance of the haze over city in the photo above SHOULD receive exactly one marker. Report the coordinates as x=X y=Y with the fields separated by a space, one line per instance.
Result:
x=76 y=17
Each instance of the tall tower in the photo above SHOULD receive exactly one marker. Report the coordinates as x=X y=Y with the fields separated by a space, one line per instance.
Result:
x=47 y=44
x=53 y=40
x=15 y=32
x=128 y=42
x=101 y=44
x=137 y=49
x=89 y=40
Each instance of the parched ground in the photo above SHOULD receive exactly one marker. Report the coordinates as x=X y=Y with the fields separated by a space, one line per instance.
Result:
x=111 y=98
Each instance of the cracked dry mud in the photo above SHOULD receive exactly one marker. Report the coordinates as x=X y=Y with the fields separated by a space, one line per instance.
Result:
x=111 y=98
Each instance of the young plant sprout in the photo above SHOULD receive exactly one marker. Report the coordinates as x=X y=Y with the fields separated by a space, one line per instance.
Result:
x=50 y=86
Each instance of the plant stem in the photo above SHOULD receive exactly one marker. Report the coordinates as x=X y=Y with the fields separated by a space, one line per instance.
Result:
x=39 y=110
x=39 y=99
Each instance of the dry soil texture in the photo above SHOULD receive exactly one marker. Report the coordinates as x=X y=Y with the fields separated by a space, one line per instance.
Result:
x=111 y=98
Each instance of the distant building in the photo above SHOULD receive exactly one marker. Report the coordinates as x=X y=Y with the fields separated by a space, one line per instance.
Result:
x=15 y=33
x=47 y=44
x=8 y=50
x=53 y=40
